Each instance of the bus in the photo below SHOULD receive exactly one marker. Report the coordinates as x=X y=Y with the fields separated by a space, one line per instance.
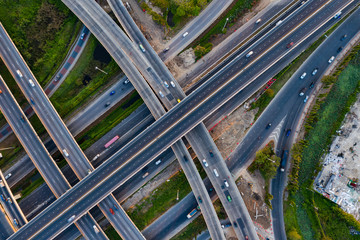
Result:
x=192 y=213
x=283 y=160
x=109 y=143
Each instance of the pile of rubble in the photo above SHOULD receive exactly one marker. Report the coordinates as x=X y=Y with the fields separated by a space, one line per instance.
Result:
x=339 y=180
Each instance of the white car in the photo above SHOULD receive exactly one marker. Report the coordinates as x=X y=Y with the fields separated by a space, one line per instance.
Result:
x=166 y=84
x=158 y=162
x=96 y=229
x=331 y=59
x=249 y=54
x=31 y=83
x=8 y=176
x=82 y=36
x=65 y=153
x=205 y=163
x=306 y=98
x=226 y=183
x=172 y=84
x=258 y=21
x=141 y=47
x=303 y=75
x=19 y=73
x=185 y=34
x=216 y=173
x=161 y=94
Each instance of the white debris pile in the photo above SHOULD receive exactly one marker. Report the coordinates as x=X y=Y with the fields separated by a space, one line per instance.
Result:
x=340 y=178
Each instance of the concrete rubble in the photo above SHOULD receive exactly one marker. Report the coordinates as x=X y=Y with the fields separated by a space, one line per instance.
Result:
x=339 y=180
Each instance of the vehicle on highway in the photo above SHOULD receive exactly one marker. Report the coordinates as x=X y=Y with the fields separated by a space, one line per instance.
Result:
x=303 y=75
x=95 y=229
x=246 y=237
x=109 y=143
x=226 y=183
x=211 y=153
x=185 y=34
x=258 y=21
x=302 y=92
x=32 y=84
x=284 y=156
x=8 y=176
x=65 y=152
x=111 y=211
x=343 y=37
x=216 y=173
x=161 y=94
x=339 y=49
x=22 y=118
x=0 y=91
x=311 y=85
x=116 y=208
x=337 y=15
x=172 y=84
x=178 y=100
x=200 y=200
x=107 y=104
x=278 y=23
x=89 y=171
x=306 y=98
x=141 y=47
x=32 y=101
x=158 y=162
x=112 y=93
x=192 y=213
x=235 y=224
x=166 y=84
x=268 y=126
x=290 y=45
x=1 y=183
x=71 y=218
x=82 y=36
x=145 y=175
x=288 y=132
x=57 y=77
x=229 y=198
x=16 y=222
x=126 y=81
x=314 y=71
x=166 y=49
x=249 y=54
x=331 y=59
x=205 y=163
x=185 y=158
x=19 y=73
x=2 y=197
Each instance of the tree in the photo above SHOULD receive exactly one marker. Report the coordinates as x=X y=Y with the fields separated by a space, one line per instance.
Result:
x=180 y=11
x=294 y=235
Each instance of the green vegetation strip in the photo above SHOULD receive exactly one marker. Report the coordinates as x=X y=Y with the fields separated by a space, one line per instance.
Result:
x=113 y=119
x=112 y=234
x=311 y=219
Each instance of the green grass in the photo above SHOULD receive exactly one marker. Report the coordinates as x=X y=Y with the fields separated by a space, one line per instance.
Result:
x=328 y=119
x=160 y=201
x=191 y=230
x=72 y=92
x=28 y=185
x=113 y=119
x=112 y=234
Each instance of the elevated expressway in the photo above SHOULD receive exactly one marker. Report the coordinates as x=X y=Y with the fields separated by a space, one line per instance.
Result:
x=159 y=136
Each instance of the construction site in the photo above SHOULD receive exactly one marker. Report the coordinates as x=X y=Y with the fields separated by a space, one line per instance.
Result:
x=339 y=178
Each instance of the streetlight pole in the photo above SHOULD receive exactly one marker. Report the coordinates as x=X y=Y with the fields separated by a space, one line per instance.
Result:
x=227 y=19
x=96 y=68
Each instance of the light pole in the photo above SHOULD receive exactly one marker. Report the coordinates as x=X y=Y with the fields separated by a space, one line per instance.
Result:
x=227 y=19
x=96 y=68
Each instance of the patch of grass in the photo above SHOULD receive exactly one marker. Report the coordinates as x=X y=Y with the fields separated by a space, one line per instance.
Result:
x=30 y=185
x=43 y=31
x=160 y=200
x=72 y=92
x=291 y=227
x=191 y=230
x=112 y=234
x=113 y=119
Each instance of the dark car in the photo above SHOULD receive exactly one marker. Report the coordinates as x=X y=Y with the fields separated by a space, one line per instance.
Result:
x=200 y=200
x=185 y=158
x=340 y=49
x=112 y=211
x=107 y=104
x=112 y=93
x=311 y=85
x=288 y=132
x=22 y=118
x=343 y=37
x=115 y=207
x=32 y=101
x=211 y=153
x=268 y=126
x=235 y=224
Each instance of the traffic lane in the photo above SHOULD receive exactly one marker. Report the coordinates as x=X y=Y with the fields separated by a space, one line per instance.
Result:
x=5 y=228
x=175 y=107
